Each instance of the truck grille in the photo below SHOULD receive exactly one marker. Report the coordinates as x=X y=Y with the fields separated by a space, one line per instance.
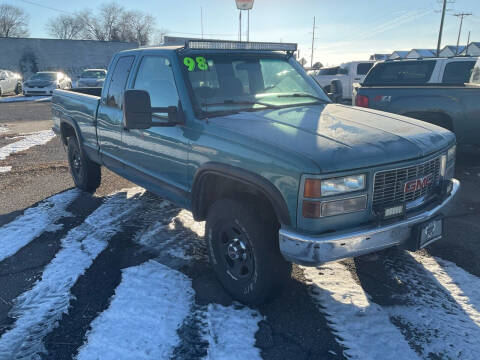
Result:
x=389 y=185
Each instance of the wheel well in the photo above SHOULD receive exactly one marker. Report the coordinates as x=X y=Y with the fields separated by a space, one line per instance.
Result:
x=215 y=186
x=437 y=118
x=66 y=131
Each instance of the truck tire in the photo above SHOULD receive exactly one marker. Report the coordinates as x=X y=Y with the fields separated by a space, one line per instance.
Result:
x=244 y=252
x=18 y=89
x=86 y=174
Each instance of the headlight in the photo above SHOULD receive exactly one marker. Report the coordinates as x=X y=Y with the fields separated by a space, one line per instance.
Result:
x=315 y=188
x=452 y=152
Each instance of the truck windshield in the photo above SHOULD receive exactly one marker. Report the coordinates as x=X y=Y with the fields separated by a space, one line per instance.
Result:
x=44 y=76
x=97 y=74
x=232 y=83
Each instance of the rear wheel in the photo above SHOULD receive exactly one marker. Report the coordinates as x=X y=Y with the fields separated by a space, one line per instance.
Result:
x=244 y=252
x=85 y=173
x=18 y=89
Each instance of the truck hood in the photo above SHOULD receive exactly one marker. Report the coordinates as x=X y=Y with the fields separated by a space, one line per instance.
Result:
x=338 y=137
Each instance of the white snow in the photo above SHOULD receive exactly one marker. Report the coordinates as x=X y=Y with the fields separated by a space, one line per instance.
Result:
x=361 y=326
x=24 y=98
x=462 y=286
x=30 y=140
x=3 y=129
x=442 y=317
x=37 y=310
x=33 y=222
x=231 y=332
x=141 y=322
x=5 y=169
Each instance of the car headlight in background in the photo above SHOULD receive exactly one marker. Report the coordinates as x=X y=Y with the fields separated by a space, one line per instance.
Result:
x=452 y=152
x=315 y=188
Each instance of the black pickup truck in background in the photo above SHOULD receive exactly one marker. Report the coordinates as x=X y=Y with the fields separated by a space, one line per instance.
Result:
x=442 y=91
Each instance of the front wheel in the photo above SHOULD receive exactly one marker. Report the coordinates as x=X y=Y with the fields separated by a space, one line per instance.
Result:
x=85 y=173
x=18 y=89
x=244 y=252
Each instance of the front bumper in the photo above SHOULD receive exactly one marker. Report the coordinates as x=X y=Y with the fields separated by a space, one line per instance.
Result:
x=306 y=249
x=38 y=91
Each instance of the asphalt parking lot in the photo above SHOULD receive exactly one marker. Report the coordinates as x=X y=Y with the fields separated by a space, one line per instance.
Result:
x=396 y=305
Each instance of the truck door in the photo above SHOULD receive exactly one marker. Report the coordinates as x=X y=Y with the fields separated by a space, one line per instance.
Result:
x=110 y=114
x=158 y=154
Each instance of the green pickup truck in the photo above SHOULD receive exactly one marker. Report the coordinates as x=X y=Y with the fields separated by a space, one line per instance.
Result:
x=441 y=91
x=240 y=135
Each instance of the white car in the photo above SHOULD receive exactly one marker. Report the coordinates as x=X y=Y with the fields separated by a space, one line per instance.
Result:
x=91 y=78
x=44 y=82
x=10 y=83
x=348 y=73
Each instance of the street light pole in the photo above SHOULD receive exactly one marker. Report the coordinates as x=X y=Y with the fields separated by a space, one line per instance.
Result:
x=461 y=16
x=441 y=27
x=240 y=25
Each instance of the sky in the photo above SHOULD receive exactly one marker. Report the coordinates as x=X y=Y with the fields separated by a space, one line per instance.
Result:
x=345 y=30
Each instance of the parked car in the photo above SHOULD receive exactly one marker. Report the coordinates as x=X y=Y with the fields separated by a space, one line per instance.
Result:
x=91 y=78
x=348 y=73
x=434 y=90
x=10 y=83
x=247 y=141
x=44 y=82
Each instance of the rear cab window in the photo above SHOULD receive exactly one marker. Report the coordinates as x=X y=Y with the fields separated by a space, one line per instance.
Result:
x=118 y=81
x=364 y=68
x=458 y=72
x=475 y=78
x=401 y=73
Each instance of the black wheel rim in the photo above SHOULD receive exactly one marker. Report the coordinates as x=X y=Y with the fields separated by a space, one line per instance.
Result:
x=235 y=252
x=76 y=163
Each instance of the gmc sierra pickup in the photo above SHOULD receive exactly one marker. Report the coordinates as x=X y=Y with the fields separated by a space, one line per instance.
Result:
x=444 y=92
x=239 y=134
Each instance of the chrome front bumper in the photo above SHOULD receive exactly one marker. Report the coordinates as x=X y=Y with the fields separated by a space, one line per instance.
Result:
x=314 y=250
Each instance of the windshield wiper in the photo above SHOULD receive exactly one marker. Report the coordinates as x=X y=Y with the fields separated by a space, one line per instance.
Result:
x=305 y=95
x=234 y=102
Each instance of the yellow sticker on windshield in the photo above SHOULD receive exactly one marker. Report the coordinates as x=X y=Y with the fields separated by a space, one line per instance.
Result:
x=200 y=63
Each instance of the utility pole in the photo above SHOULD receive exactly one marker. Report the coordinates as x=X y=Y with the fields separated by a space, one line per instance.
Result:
x=201 y=19
x=248 y=25
x=240 y=25
x=313 y=42
x=461 y=16
x=444 y=9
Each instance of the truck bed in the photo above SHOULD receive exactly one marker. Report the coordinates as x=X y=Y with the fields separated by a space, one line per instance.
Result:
x=455 y=107
x=78 y=106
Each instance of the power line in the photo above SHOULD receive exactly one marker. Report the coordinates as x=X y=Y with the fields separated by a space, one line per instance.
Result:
x=45 y=6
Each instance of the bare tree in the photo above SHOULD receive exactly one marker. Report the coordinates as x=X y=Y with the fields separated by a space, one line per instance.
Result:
x=114 y=23
x=13 y=21
x=65 y=27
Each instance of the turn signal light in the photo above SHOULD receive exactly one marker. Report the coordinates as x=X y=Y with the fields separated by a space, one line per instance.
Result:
x=313 y=188
x=311 y=209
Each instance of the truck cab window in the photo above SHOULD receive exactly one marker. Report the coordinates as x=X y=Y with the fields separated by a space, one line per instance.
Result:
x=363 y=68
x=458 y=72
x=118 y=81
x=156 y=77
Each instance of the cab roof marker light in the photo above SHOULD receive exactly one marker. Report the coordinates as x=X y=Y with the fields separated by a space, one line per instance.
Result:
x=239 y=45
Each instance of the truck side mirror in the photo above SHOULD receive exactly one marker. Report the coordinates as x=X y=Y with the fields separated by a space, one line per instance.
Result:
x=137 y=111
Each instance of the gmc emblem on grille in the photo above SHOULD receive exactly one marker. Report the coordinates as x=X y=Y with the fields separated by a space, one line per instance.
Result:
x=417 y=184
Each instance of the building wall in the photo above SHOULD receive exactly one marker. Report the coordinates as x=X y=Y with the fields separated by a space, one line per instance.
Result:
x=27 y=56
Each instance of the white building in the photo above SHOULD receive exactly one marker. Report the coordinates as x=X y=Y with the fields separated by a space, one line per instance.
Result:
x=398 y=55
x=421 y=53
x=473 y=49
x=451 y=50
x=378 y=57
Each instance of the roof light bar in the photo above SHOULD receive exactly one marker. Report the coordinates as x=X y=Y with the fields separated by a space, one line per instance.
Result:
x=239 y=45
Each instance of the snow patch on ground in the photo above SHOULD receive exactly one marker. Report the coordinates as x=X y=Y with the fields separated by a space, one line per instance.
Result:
x=141 y=322
x=438 y=318
x=462 y=286
x=3 y=129
x=34 y=221
x=38 y=310
x=25 y=98
x=4 y=169
x=38 y=138
x=361 y=326
x=231 y=332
